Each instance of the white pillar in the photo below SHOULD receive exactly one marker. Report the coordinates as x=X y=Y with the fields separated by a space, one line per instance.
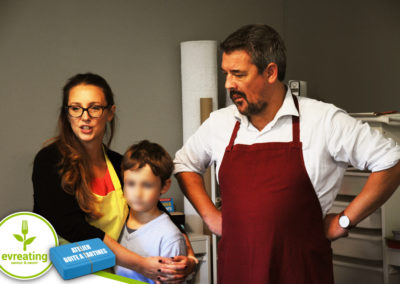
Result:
x=199 y=80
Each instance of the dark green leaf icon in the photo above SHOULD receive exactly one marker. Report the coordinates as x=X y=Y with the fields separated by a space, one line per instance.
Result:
x=29 y=241
x=18 y=237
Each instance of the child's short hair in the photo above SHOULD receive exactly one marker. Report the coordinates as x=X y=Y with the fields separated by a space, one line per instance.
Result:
x=148 y=153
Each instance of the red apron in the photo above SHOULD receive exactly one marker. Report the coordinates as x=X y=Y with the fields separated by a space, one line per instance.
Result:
x=272 y=224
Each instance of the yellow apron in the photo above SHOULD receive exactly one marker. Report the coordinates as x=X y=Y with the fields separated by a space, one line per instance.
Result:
x=113 y=207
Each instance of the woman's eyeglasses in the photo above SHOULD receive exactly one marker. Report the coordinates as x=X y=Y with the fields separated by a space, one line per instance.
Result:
x=93 y=111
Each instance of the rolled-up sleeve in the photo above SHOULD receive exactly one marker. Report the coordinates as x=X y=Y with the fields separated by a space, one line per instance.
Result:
x=360 y=145
x=195 y=155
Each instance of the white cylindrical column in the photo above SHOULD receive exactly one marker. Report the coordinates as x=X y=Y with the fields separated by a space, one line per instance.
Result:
x=199 y=80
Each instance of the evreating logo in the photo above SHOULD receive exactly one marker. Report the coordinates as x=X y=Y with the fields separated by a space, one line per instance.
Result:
x=30 y=259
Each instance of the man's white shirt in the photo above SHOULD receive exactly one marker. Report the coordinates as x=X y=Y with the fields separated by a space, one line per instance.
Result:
x=331 y=139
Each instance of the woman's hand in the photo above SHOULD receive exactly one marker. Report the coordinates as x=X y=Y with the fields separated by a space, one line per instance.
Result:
x=167 y=270
x=151 y=267
x=189 y=263
x=176 y=269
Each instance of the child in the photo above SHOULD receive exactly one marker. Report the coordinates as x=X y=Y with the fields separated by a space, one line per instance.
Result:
x=146 y=170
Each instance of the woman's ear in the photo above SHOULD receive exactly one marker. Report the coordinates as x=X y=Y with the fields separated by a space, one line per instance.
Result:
x=111 y=113
x=166 y=186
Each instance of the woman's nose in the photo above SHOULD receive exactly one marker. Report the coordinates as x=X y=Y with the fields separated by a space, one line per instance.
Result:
x=85 y=115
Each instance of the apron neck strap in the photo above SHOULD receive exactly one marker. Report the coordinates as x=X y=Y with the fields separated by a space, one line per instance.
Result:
x=296 y=122
x=233 y=136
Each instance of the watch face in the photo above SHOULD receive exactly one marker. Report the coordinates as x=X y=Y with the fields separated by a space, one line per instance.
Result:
x=344 y=222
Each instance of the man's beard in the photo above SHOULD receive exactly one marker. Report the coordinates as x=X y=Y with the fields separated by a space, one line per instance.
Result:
x=252 y=108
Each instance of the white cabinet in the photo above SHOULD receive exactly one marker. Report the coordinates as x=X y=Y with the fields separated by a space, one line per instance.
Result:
x=363 y=256
x=352 y=270
x=201 y=248
x=393 y=257
x=363 y=245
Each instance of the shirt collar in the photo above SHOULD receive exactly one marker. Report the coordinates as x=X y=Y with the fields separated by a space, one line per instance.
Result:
x=288 y=108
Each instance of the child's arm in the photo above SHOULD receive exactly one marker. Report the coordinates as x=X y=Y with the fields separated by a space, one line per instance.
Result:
x=184 y=264
x=150 y=267
x=178 y=264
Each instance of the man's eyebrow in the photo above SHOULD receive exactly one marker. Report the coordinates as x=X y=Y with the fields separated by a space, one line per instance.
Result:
x=233 y=71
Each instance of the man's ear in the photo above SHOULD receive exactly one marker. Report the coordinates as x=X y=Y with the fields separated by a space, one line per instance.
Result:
x=271 y=73
x=166 y=186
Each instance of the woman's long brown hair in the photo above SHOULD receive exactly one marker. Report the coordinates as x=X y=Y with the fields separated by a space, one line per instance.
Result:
x=74 y=168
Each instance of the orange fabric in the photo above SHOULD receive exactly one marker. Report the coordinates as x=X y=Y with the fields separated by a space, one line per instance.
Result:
x=102 y=186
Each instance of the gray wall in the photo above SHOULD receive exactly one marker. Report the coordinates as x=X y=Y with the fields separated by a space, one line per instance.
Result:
x=347 y=51
x=133 y=44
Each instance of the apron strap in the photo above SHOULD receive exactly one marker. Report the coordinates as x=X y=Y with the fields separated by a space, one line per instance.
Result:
x=233 y=136
x=296 y=122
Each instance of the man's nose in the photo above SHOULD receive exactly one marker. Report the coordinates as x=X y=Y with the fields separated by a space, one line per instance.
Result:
x=230 y=82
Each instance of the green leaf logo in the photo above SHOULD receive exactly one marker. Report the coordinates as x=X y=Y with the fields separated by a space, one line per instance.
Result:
x=24 y=231
x=19 y=238
x=29 y=241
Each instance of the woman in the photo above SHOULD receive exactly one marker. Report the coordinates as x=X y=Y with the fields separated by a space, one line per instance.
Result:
x=76 y=179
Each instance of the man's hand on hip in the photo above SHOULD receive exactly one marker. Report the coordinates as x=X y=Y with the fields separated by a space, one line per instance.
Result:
x=332 y=229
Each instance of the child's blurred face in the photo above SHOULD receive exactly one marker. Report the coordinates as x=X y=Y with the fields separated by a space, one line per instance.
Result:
x=142 y=189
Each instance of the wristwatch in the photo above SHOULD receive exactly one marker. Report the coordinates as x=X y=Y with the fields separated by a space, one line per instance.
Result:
x=344 y=221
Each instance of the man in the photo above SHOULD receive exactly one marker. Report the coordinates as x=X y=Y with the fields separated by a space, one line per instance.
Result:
x=280 y=160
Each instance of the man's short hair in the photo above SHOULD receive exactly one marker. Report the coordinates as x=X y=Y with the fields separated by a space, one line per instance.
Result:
x=148 y=153
x=262 y=43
